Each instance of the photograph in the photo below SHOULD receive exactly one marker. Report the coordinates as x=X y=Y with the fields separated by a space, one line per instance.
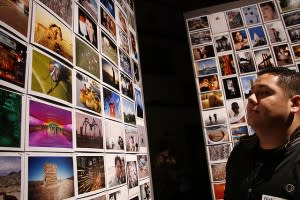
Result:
x=214 y=116
x=108 y=23
x=87 y=59
x=137 y=78
x=222 y=42
x=14 y=15
x=269 y=11
x=257 y=36
x=115 y=173
x=288 y=5
x=49 y=176
x=283 y=55
x=245 y=62
x=132 y=173
x=143 y=166
x=234 y=18
x=122 y=4
x=63 y=9
x=291 y=18
x=263 y=58
x=51 y=34
x=125 y=64
x=143 y=141
x=231 y=87
x=109 y=5
x=216 y=134
x=246 y=84
x=218 y=189
x=240 y=40
x=145 y=189
x=227 y=64
x=49 y=78
x=13 y=62
x=209 y=83
x=110 y=74
x=296 y=51
x=276 y=32
x=123 y=41
x=206 y=67
x=128 y=111
x=114 y=136
x=88 y=93
x=91 y=6
x=12 y=120
x=49 y=126
x=121 y=20
x=251 y=15
x=197 y=23
x=98 y=196
x=236 y=111
x=219 y=152
x=120 y=193
x=126 y=86
x=218 y=22
x=294 y=34
x=89 y=131
x=131 y=139
x=133 y=45
x=212 y=100
x=112 y=104
x=86 y=27
x=109 y=48
x=204 y=51
x=218 y=171
x=238 y=131
x=90 y=174
x=12 y=176
x=139 y=105
x=200 y=37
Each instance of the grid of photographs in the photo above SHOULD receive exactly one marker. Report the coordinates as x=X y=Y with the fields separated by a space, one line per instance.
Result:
x=71 y=101
x=228 y=48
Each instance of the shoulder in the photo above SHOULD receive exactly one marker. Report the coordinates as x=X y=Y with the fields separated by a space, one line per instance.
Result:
x=245 y=147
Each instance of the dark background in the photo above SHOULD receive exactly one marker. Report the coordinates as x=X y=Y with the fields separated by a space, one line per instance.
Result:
x=170 y=97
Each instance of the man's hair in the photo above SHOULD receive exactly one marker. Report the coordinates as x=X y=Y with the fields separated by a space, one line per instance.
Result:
x=269 y=3
x=288 y=80
x=117 y=158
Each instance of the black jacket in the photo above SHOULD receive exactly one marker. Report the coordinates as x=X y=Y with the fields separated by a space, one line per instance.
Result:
x=252 y=171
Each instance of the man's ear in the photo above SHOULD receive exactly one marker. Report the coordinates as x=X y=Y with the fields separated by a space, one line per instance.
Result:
x=295 y=103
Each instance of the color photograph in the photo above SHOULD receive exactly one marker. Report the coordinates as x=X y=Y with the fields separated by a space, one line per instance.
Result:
x=50 y=78
x=240 y=40
x=125 y=64
x=126 y=86
x=131 y=139
x=89 y=132
x=236 y=111
x=218 y=171
x=197 y=23
x=294 y=34
x=218 y=189
x=136 y=74
x=203 y=52
x=139 y=103
x=219 y=152
x=227 y=64
x=120 y=193
x=283 y=55
x=110 y=74
x=291 y=18
x=110 y=6
x=200 y=37
x=231 y=87
x=109 y=48
x=234 y=18
x=121 y=20
x=212 y=99
x=128 y=111
x=142 y=138
x=131 y=172
x=246 y=84
x=143 y=166
x=269 y=11
x=206 y=67
x=257 y=36
x=296 y=51
x=214 y=117
x=92 y=7
x=237 y=132
x=217 y=134
x=209 y=83
x=251 y=15
x=245 y=62
x=263 y=58
x=108 y=23
x=123 y=41
x=133 y=45
x=114 y=136
x=222 y=42
x=276 y=32
x=286 y=5
x=145 y=189
x=50 y=176
x=112 y=104
x=49 y=126
x=115 y=170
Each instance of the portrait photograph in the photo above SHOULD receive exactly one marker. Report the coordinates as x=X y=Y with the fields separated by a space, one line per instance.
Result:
x=294 y=34
x=132 y=174
x=206 y=67
x=12 y=120
x=218 y=189
x=126 y=86
x=222 y=42
x=51 y=130
x=291 y=18
x=296 y=51
x=108 y=23
x=120 y=193
x=49 y=176
x=276 y=32
x=14 y=15
x=49 y=78
x=212 y=99
x=90 y=174
x=283 y=55
x=125 y=64
x=219 y=152
x=134 y=54
x=269 y=11
x=237 y=132
x=236 y=111
x=218 y=171
x=109 y=48
x=245 y=62
x=87 y=94
x=86 y=27
x=91 y=6
x=247 y=83
x=257 y=36
x=121 y=20
x=145 y=189
x=114 y=136
x=63 y=9
x=131 y=139
x=87 y=59
x=227 y=64
x=123 y=41
x=208 y=83
x=216 y=134
x=214 y=116
x=263 y=58
x=251 y=15
x=240 y=40
x=197 y=23
x=109 y=5
x=112 y=104
x=12 y=175
x=13 y=62
x=128 y=111
x=143 y=166
x=139 y=106
x=51 y=34
x=89 y=132
x=137 y=80
x=234 y=18
x=110 y=74
x=115 y=173
x=218 y=22
x=286 y=5
x=142 y=137
x=200 y=37
x=204 y=51
x=231 y=87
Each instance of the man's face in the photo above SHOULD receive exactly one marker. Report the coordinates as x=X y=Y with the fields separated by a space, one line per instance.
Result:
x=268 y=105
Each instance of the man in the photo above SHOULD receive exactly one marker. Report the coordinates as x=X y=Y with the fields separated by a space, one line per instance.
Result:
x=267 y=164
x=117 y=179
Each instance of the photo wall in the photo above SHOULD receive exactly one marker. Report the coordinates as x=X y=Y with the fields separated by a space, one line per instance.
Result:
x=229 y=44
x=72 y=115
